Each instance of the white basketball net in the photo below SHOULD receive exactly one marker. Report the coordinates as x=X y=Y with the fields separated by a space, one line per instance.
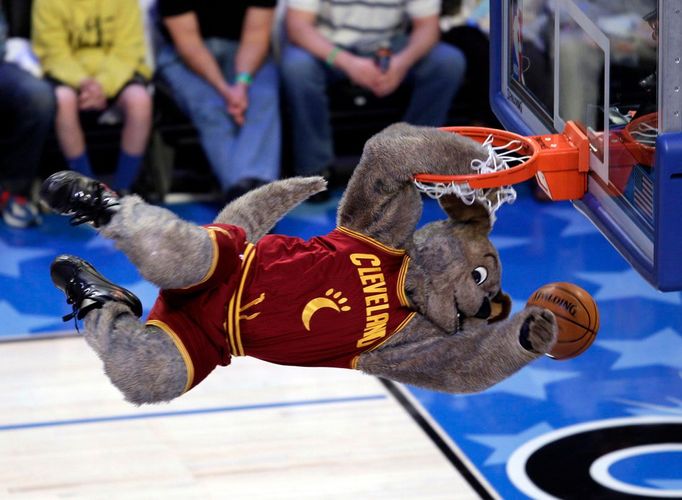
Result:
x=499 y=158
x=645 y=134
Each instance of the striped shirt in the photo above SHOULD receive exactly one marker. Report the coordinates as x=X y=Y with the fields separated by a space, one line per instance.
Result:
x=364 y=24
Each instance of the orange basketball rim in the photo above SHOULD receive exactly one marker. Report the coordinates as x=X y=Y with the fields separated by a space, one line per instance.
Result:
x=559 y=162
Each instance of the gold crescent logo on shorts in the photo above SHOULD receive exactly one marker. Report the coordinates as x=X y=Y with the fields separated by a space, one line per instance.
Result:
x=331 y=300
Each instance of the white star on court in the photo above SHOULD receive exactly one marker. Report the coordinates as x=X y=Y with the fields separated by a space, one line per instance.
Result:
x=505 y=444
x=99 y=242
x=503 y=242
x=663 y=348
x=647 y=409
x=13 y=257
x=627 y=285
x=530 y=382
x=17 y=323
x=577 y=223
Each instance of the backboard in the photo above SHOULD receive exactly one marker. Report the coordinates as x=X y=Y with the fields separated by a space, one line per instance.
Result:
x=614 y=69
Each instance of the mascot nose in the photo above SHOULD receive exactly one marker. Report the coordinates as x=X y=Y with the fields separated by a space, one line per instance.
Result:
x=485 y=310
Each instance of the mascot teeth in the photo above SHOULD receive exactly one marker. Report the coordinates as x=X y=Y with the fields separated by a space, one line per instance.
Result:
x=460 y=319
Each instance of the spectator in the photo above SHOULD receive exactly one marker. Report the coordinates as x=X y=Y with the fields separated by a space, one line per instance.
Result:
x=332 y=40
x=94 y=53
x=27 y=109
x=216 y=62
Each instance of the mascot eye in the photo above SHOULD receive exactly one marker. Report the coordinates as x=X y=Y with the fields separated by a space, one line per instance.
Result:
x=480 y=274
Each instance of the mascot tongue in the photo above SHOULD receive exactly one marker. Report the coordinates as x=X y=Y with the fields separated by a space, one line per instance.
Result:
x=500 y=307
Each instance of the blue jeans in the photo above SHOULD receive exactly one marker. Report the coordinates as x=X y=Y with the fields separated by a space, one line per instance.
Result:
x=27 y=107
x=235 y=153
x=434 y=81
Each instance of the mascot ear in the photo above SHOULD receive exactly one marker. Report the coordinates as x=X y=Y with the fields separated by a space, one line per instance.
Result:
x=460 y=212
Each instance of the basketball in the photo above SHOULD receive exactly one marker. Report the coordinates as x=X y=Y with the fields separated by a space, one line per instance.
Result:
x=576 y=315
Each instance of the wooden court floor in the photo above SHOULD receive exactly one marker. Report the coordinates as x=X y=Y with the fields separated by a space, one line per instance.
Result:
x=251 y=430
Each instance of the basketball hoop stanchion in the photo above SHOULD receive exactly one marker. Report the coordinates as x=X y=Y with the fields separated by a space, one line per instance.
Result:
x=559 y=162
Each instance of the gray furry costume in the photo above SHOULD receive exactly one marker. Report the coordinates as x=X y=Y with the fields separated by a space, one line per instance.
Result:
x=458 y=340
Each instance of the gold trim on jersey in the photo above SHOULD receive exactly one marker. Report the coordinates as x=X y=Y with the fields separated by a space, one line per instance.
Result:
x=221 y=230
x=403 y=324
x=181 y=348
x=214 y=257
x=402 y=275
x=234 y=335
x=371 y=241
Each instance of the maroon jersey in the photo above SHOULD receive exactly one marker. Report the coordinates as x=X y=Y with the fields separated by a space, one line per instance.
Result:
x=320 y=302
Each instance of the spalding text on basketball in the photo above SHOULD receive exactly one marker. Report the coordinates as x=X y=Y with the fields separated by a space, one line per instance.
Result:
x=553 y=299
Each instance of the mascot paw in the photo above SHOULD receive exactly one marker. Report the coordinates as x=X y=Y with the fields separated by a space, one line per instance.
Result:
x=538 y=331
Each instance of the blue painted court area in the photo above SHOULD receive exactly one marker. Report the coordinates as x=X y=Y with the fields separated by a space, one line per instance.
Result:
x=608 y=422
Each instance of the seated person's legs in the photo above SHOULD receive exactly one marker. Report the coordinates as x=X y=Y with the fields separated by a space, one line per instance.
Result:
x=136 y=105
x=208 y=112
x=435 y=79
x=255 y=155
x=27 y=106
x=69 y=131
x=305 y=84
x=257 y=149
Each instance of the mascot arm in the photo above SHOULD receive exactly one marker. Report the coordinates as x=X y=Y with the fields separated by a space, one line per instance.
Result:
x=381 y=200
x=471 y=360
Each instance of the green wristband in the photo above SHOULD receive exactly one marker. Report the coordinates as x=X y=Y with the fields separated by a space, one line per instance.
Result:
x=332 y=56
x=244 y=78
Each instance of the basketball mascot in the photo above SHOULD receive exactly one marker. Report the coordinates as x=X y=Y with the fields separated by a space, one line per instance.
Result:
x=421 y=307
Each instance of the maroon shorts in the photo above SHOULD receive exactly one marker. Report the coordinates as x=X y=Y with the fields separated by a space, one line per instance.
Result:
x=195 y=317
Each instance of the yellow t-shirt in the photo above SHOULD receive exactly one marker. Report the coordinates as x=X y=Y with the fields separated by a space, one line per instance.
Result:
x=101 y=39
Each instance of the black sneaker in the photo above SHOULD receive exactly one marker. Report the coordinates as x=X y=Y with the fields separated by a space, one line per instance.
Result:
x=86 y=289
x=85 y=199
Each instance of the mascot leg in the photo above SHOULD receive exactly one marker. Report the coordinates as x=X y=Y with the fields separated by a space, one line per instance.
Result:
x=168 y=251
x=141 y=361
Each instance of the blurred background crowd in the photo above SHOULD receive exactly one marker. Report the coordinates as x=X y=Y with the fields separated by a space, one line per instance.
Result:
x=216 y=98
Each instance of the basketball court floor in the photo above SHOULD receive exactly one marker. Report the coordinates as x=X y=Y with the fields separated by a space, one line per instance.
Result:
x=607 y=424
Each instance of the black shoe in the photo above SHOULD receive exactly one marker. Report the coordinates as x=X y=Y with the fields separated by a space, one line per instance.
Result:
x=86 y=200
x=86 y=289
